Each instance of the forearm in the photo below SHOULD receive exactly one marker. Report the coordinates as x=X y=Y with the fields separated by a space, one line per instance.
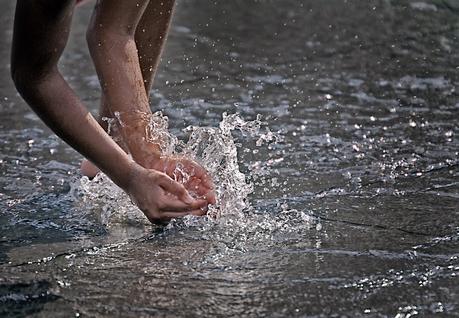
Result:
x=55 y=102
x=122 y=83
x=41 y=30
x=150 y=37
x=39 y=37
x=111 y=41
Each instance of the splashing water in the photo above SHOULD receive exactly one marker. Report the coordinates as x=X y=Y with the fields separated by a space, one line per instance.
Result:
x=232 y=224
x=216 y=150
x=212 y=147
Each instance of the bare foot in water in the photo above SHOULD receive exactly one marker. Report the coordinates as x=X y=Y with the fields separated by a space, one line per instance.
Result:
x=89 y=169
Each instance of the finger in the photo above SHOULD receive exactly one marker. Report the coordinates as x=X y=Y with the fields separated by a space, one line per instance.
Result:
x=197 y=171
x=177 y=169
x=169 y=215
x=175 y=214
x=88 y=169
x=199 y=212
x=164 y=217
x=203 y=175
x=169 y=203
x=210 y=197
x=198 y=186
x=176 y=189
x=199 y=204
x=194 y=185
x=202 y=191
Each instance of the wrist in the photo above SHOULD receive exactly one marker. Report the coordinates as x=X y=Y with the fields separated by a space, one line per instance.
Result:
x=130 y=174
x=139 y=132
x=122 y=175
x=145 y=154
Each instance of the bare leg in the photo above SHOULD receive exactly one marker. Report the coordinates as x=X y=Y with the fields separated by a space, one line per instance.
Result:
x=150 y=37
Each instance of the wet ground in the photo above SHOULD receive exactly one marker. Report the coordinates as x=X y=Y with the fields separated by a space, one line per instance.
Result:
x=354 y=210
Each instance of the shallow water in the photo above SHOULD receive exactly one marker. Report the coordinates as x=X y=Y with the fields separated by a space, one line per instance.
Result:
x=354 y=210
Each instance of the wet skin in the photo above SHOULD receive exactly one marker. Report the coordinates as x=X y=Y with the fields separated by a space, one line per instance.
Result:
x=41 y=31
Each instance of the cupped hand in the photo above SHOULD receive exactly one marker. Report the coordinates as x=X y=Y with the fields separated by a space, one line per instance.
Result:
x=185 y=171
x=160 y=198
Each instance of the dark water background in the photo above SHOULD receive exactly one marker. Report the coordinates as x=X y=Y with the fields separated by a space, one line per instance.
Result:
x=355 y=212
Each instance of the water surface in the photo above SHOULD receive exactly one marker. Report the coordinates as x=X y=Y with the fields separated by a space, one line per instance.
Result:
x=354 y=210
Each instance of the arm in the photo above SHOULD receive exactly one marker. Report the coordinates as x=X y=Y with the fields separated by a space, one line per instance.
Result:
x=40 y=34
x=150 y=37
x=111 y=40
x=113 y=36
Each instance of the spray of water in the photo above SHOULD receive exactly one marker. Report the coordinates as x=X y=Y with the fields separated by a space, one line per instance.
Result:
x=212 y=147
x=232 y=225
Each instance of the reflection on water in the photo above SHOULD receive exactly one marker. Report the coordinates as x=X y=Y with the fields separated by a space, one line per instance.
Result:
x=353 y=188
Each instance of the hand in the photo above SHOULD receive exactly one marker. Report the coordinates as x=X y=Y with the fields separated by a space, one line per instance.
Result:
x=159 y=197
x=189 y=173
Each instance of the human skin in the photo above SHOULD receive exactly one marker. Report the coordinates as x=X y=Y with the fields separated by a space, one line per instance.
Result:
x=41 y=31
x=131 y=36
x=150 y=37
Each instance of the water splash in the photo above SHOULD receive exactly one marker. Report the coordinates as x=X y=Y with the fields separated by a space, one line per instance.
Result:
x=214 y=148
x=232 y=224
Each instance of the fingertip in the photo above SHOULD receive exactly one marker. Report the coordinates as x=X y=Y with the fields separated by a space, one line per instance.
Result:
x=199 y=212
x=199 y=204
x=207 y=182
x=175 y=188
x=187 y=198
x=210 y=197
